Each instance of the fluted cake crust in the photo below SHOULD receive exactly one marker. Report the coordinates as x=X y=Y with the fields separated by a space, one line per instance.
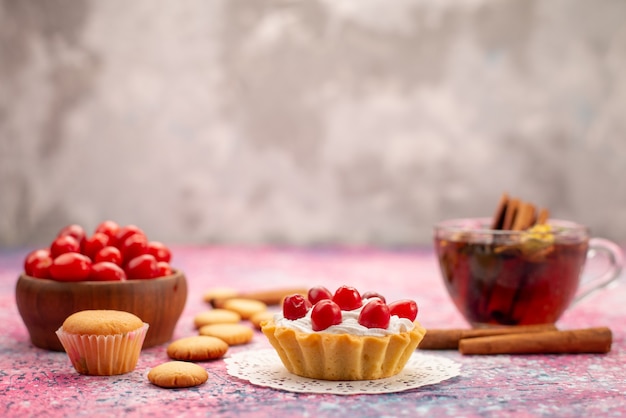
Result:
x=342 y=356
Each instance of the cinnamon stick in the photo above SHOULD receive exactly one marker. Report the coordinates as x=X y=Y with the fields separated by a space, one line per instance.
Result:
x=543 y=216
x=269 y=297
x=498 y=217
x=590 y=340
x=441 y=339
x=510 y=214
x=448 y=339
x=515 y=214
x=524 y=216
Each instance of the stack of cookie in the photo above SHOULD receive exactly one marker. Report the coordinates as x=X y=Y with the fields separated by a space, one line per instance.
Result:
x=218 y=328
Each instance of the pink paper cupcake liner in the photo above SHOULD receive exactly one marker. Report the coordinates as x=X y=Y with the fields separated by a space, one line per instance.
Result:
x=103 y=355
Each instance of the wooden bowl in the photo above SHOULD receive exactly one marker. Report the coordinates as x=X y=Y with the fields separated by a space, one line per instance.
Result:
x=44 y=304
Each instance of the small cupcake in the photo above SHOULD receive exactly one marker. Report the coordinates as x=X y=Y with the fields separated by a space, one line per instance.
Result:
x=103 y=342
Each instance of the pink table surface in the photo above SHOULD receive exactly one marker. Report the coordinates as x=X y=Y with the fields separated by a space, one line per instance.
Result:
x=36 y=382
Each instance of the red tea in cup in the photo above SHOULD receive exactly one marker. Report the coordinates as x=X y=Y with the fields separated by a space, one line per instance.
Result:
x=503 y=277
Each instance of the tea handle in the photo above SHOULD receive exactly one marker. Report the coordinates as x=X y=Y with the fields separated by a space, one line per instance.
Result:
x=615 y=256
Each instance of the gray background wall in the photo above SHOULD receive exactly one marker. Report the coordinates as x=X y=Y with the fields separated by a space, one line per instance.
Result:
x=307 y=122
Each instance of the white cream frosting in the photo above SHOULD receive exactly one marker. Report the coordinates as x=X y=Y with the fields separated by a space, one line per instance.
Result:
x=349 y=324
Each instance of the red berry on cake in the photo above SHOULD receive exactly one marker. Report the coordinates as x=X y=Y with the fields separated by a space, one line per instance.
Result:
x=295 y=307
x=318 y=293
x=405 y=308
x=348 y=298
x=370 y=295
x=375 y=314
x=325 y=313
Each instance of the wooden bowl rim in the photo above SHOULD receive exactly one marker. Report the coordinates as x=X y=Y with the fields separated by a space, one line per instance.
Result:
x=175 y=275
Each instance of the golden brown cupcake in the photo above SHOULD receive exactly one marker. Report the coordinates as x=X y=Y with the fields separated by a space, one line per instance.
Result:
x=103 y=342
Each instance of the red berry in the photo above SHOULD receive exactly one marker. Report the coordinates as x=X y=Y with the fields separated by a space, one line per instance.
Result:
x=109 y=253
x=317 y=293
x=70 y=267
x=164 y=268
x=142 y=267
x=375 y=314
x=135 y=245
x=369 y=295
x=126 y=231
x=109 y=228
x=37 y=263
x=159 y=250
x=94 y=243
x=64 y=244
x=295 y=306
x=106 y=271
x=348 y=298
x=404 y=308
x=75 y=231
x=325 y=313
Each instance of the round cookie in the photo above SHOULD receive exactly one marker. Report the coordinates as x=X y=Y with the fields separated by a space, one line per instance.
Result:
x=232 y=334
x=245 y=307
x=216 y=316
x=259 y=317
x=219 y=293
x=197 y=348
x=178 y=374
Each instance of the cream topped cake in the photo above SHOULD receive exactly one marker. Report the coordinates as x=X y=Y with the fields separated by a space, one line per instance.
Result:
x=349 y=324
x=345 y=335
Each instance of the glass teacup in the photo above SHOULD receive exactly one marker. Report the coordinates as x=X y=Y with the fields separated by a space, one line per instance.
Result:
x=503 y=277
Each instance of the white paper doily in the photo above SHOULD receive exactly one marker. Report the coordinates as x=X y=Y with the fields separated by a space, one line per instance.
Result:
x=264 y=368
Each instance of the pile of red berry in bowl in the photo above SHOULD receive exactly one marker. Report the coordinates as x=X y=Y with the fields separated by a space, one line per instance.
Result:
x=111 y=253
x=115 y=267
